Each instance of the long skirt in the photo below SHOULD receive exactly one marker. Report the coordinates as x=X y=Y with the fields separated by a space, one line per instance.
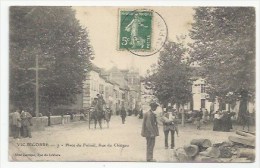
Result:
x=217 y=125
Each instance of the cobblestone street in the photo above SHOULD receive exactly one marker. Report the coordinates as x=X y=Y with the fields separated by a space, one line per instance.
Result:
x=120 y=142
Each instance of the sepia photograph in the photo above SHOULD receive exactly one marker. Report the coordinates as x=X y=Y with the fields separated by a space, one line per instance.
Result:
x=165 y=84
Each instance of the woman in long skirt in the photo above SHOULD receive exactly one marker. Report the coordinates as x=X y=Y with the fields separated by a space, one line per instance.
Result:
x=217 y=122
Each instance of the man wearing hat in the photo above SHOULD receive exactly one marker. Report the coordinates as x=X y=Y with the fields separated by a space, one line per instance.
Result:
x=169 y=126
x=150 y=131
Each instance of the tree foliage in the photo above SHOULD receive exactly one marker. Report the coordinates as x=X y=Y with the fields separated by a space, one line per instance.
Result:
x=55 y=35
x=170 y=78
x=224 y=45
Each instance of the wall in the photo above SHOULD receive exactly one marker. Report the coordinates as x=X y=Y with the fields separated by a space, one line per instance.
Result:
x=39 y=123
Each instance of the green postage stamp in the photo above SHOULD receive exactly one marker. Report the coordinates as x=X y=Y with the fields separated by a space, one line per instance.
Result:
x=135 y=30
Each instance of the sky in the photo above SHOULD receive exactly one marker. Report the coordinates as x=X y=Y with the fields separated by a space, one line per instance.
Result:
x=102 y=26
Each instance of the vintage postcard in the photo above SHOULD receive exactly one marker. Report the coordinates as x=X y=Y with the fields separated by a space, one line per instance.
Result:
x=172 y=84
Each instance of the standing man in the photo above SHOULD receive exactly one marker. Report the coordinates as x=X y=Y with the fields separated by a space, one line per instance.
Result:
x=123 y=114
x=16 y=124
x=101 y=105
x=169 y=126
x=26 y=123
x=141 y=114
x=11 y=126
x=150 y=131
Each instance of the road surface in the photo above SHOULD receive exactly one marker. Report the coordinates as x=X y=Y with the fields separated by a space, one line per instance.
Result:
x=120 y=142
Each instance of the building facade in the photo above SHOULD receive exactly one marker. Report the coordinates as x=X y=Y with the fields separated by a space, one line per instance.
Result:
x=199 y=95
x=114 y=86
x=201 y=99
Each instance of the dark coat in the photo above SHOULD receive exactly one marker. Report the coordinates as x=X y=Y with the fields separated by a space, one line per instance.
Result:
x=150 y=127
x=123 y=113
x=26 y=119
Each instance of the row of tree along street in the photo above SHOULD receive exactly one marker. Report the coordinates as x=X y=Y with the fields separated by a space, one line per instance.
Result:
x=223 y=45
x=55 y=37
x=48 y=43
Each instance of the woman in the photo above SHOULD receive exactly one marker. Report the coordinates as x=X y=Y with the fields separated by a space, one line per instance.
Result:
x=217 y=121
x=226 y=122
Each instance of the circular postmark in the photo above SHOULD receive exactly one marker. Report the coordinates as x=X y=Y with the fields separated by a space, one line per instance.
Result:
x=143 y=32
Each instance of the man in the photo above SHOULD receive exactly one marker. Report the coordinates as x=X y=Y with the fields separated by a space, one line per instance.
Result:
x=26 y=123
x=141 y=114
x=150 y=131
x=11 y=126
x=16 y=124
x=123 y=114
x=97 y=113
x=169 y=126
x=101 y=105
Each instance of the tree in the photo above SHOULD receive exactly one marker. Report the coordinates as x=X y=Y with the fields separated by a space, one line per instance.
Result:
x=224 y=45
x=64 y=51
x=170 y=78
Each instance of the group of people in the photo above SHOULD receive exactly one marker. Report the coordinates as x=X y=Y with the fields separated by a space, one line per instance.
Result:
x=20 y=124
x=100 y=111
x=123 y=114
x=150 y=129
x=222 y=121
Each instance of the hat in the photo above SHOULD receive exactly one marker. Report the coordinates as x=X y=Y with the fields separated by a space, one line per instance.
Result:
x=154 y=104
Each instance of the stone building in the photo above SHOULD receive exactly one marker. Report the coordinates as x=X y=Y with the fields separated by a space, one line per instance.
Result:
x=118 y=88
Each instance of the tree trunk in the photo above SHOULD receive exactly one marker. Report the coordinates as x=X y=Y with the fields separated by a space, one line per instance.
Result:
x=250 y=141
x=191 y=104
x=247 y=153
x=211 y=152
x=202 y=143
x=178 y=107
x=243 y=133
x=225 y=152
x=191 y=150
x=242 y=112
x=182 y=115
x=244 y=138
x=220 y=105
x=200 y=158
x=252 y=133
x=182 y=155
x=239 y=160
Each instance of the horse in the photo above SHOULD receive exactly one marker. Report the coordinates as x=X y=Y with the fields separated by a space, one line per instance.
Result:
x=107 y=116
x=97 y=116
